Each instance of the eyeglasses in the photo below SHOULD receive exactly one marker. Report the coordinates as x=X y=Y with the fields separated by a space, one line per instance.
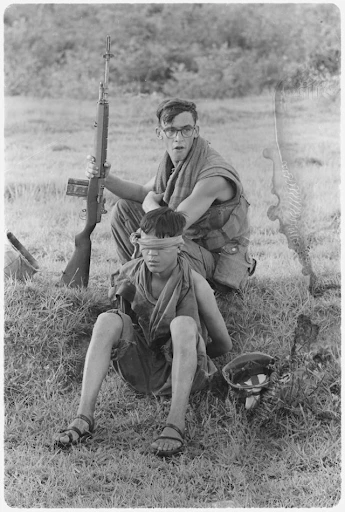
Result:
x=187 y=131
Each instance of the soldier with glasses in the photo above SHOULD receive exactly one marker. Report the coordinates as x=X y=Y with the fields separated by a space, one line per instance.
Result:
x=194 y=179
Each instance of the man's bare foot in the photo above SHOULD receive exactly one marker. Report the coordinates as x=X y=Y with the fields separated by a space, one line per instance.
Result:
x=170 y=441
x=78 y=431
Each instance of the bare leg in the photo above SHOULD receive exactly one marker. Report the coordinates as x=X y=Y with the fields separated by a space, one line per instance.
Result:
x=184 y=333
x=105 y=335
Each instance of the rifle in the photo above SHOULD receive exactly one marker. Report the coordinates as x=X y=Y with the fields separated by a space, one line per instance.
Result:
x=76 y=273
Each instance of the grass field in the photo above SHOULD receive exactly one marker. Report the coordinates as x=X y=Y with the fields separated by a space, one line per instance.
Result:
x=292 y=460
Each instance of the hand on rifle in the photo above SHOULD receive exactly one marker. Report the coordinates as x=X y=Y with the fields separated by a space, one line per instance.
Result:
x=92 y=169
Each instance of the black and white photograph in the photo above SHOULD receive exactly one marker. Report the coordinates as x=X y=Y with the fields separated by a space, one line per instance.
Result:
x=172 y=255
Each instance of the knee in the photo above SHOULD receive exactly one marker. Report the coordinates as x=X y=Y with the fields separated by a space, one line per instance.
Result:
x=108 y=327
x=183 y=328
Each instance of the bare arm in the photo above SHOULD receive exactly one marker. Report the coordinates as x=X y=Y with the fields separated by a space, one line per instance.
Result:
x=204 y=194
x=122 y=188
x=210 y=314
x=128 y=189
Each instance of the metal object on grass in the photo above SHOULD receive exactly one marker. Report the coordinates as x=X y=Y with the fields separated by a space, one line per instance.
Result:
x=18 y=262
x=248 y=374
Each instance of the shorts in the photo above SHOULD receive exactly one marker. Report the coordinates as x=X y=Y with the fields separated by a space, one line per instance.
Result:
x=149 y=371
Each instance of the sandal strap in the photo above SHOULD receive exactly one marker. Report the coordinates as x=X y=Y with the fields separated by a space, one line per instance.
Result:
x=174 y=427
x=89 y=421
x=67 y=430
x=170 y=439
x=82 y=436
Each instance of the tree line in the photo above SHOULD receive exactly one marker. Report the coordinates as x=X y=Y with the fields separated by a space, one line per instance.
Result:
x=194 y=50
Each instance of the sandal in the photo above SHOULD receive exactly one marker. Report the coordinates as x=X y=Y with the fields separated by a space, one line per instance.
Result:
x=83 y=436
x=168 y=453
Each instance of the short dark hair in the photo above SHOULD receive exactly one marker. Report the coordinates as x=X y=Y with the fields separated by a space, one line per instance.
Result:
x=169 y=109
x=163 y=222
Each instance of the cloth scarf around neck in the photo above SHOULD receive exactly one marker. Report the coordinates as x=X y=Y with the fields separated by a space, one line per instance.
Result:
x=155 y=315
x=201 y=162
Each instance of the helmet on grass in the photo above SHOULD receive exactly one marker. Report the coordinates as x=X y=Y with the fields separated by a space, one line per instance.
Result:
x=248 y=374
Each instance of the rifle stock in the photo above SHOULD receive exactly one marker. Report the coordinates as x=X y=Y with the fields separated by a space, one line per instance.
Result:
x=77 y=271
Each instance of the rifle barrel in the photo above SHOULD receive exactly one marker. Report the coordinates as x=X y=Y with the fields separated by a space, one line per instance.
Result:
x=107 y=56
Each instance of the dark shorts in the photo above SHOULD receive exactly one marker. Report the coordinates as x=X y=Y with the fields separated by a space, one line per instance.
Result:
x=149 y=371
